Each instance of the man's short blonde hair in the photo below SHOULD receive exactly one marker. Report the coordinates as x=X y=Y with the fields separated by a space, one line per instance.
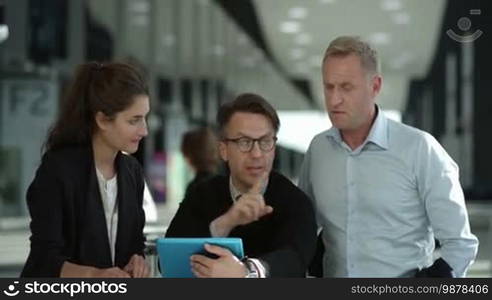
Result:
x=346 y=45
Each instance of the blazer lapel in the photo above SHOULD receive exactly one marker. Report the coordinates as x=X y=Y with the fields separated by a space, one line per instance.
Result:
x=125 y=197
x=224 y=200
x=96 y=233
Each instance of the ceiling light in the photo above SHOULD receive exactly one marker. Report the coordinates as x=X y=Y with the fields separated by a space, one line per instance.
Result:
x=327 y=1
x=391 y=5
x=303 y=39
x=401 y=18
x=4 y=32
x=380 y=38
x=298 y=13
x=290 y=27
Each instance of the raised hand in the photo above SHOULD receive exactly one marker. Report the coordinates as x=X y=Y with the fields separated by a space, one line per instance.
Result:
x=250 y=206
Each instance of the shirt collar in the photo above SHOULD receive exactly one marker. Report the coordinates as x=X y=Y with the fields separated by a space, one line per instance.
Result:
x=379 y=131
x=377 y=135
x=235 y=193
x=334 y=133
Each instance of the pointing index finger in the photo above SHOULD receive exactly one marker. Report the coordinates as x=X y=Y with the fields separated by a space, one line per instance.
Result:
x=259 y=184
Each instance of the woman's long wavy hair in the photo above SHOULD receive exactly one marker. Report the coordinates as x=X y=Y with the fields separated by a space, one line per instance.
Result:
x=109 y=88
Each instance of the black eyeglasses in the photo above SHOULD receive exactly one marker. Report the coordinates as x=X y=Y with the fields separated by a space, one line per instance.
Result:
x=246 y=144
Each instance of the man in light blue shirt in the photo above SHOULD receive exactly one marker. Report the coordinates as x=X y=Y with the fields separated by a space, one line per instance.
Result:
x=383 y=191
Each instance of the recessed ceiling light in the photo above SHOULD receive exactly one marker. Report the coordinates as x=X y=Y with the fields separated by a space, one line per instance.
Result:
x=303 y=39
x=327 y=1
x=401 y=18
x=391 y=5
x=290 y=27
x=4 y=32
x=298 y=12
x=380 y=38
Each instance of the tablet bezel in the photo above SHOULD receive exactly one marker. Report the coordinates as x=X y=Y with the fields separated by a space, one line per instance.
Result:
x=174 y=253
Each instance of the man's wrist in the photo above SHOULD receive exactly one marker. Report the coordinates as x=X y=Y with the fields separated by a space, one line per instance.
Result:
x=221 y=226
x=228 y=220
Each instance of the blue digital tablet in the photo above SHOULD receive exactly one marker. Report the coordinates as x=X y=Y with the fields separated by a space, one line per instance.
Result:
x=174 y=253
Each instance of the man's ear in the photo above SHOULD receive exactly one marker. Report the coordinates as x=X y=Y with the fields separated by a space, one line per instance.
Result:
x=377 y=83
x=223 y=151
x=102 y=120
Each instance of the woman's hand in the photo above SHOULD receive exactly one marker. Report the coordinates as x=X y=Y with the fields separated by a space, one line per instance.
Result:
x=137 y=267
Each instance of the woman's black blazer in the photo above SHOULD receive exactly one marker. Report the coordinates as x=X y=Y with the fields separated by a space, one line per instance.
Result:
x=67 y=215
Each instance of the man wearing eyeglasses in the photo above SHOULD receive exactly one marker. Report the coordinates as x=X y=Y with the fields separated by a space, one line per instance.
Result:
x=273 y=217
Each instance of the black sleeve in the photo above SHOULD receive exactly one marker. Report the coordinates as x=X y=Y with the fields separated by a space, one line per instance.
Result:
x=45 y=202
x=440 y=268
x=191 y=218
x=141 y=213
x=315 y=268
x=295 y=242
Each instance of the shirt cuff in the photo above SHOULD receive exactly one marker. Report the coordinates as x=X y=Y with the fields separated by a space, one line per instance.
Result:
x=262 y=271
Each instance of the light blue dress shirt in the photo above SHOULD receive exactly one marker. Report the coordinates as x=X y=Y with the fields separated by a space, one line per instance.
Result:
x=381 y=205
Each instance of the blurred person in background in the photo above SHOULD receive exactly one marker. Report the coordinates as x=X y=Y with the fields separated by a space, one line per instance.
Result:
x=200 y=150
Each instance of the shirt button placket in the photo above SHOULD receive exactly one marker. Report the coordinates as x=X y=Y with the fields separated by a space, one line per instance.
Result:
x=350 y=212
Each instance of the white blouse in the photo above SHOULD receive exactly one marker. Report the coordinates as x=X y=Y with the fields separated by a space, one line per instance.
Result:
x=109 y=190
